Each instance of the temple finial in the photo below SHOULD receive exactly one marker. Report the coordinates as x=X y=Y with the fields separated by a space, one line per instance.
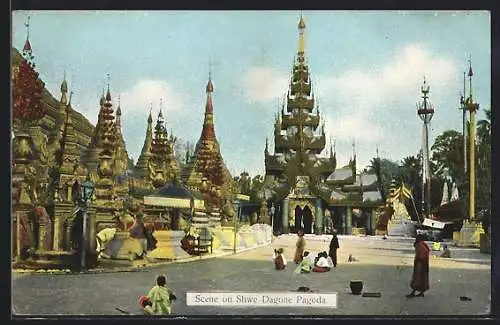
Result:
x=108 y=93
x=470 y=74
x=27 y=25
x=209 y=68
x=210 y=86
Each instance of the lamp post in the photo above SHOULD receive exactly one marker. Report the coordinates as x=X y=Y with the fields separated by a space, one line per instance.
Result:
x=86 y=193
x=425 y=111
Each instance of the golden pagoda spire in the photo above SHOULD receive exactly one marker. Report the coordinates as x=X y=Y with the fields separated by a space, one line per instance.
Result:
x=302 y=27
x=108 y=93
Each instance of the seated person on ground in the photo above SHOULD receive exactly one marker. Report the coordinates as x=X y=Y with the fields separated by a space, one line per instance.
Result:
x=160 y=298
x=323 y=264
x=305 y=265
x=446 y=252
x=279 y=259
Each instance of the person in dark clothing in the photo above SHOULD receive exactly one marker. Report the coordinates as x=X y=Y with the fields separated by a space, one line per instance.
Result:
x=334 y=245
x=151 y=240
x=138 y=230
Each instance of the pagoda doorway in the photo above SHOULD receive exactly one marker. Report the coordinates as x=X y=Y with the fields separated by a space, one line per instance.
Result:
x=299 y=224
x=307 y=219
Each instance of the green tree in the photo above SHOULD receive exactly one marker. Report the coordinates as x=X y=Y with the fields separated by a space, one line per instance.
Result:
x=447 y=157
x=386 y=170
x=256 y=189
x=245 y=183
x=483 y=161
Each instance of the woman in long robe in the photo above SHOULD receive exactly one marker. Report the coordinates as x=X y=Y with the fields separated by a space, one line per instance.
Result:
x=420 y=277
x=300 y=247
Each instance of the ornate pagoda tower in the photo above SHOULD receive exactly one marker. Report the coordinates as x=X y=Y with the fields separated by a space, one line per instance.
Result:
x=103 y=144
x=91 y=156
x=206 y=169
x=141 y=167
x=162 y=164
x=120 y=153
x=295 y=172
x=69 y=172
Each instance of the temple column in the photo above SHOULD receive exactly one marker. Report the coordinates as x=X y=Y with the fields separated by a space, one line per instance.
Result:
x=342 y=218
x=61 y=210
x=284 y=217
x=348 y=221
x=91 y=219
x=319 y=218
x=55 y=232
x=42 y=232
x=373 y=221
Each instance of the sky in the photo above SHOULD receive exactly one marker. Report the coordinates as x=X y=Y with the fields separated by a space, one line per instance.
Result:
x=367 y=68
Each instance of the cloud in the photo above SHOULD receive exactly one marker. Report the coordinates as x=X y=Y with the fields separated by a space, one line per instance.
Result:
x=138 y=99
x=262 y=84
x=362 y=102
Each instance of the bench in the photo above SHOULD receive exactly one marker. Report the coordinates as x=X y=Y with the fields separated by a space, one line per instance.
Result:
x=203 y=242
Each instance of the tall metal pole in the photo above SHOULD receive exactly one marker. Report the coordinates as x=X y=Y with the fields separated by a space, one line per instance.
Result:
x=425 y=112
x=427 y=168
x=464 y=129
x=472 y=107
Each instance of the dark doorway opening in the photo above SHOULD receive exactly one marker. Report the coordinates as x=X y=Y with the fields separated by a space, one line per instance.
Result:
x=298 y=219
x=307 y=218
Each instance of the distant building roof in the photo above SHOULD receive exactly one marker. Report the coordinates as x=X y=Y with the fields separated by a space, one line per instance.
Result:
x=363 y=179
x=340 y=174
x=373 y=196
x=336 y=196
x=176 y=190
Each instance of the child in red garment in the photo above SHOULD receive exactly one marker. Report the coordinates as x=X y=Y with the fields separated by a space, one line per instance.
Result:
x=279 y=259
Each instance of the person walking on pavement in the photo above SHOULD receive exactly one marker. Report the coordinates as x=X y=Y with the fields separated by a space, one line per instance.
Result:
x=334 y=245
x=420 y=276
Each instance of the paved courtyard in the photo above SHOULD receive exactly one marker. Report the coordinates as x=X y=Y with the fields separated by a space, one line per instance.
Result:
x=384 y=266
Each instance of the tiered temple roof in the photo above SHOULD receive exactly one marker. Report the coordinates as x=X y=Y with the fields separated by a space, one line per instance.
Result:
x=299 y=141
